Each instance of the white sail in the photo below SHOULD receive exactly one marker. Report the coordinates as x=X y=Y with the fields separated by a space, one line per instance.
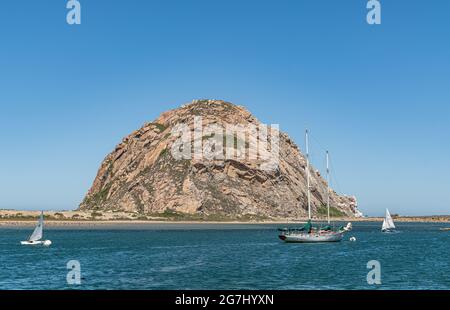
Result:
x=388 y=223
x=38 y=231
x=384 y=227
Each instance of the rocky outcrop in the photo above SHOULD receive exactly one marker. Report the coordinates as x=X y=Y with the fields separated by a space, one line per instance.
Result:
x=143 y=175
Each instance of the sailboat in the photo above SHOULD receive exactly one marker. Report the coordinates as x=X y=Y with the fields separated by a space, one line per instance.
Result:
x=38 y=234
x=308 y=233
x=388 y=223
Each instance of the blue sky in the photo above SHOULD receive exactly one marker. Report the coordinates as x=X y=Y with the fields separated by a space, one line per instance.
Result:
x=378 y=97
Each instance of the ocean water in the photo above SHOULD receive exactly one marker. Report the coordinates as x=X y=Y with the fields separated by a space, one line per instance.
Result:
x=225 y=257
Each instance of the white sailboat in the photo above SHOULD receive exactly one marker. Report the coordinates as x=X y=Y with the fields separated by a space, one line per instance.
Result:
x=38 y=234
x=308 y=233
x=388 y=223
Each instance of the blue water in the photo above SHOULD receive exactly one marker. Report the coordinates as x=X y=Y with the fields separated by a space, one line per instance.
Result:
x=225 y=257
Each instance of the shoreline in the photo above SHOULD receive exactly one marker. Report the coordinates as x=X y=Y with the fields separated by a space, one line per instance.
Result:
x=5 y=223
x=27 y=218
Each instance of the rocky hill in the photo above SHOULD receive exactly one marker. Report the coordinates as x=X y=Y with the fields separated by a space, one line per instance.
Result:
x=143 y=174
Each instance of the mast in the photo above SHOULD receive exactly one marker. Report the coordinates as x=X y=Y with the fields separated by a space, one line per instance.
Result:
x=38 y=231
x=328 y=187
x=307 y=174
x=41 y=220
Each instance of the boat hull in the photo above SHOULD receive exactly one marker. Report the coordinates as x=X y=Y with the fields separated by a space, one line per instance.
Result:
x=388 y=231
x=311 y=238
x=40 y=242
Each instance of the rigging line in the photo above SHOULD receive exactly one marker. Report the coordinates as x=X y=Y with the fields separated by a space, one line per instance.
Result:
x=321 y=147
x=318 y=143
x=333 y=174
x=319 y=185
x=313 y=169
x=314 y=139
x=313 y=172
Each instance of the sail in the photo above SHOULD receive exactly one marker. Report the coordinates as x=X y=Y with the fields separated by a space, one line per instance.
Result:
x=384 y=227
x=38 y=231
x=388 y=223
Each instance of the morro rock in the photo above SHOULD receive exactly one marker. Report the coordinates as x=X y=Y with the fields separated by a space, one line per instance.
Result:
x=143 y=175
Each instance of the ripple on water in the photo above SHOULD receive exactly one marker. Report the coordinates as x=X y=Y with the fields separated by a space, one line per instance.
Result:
x=221 y=257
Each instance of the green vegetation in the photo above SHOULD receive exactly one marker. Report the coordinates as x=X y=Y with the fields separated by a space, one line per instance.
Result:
x=163 y=152
x=140 y=206
x=96 y=199
x=20 y=217
x=206 y=137
x=236 y=140
x=334 y=212
x=149 y=187
x=110 y=169
x=172 y=215
x=160 y=127
x=96 y=214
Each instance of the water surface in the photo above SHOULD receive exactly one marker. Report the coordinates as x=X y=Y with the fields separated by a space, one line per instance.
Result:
x=233 y=256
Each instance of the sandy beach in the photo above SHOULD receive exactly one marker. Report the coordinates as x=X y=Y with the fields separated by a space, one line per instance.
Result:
x=16 y=218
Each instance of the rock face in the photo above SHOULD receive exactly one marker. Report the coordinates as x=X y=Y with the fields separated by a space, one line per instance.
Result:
x=142 y=175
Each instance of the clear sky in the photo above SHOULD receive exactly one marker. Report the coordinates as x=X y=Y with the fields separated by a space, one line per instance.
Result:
x=378 y=97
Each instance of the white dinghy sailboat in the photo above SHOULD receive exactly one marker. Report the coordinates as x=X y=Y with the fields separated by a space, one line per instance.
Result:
x=388 y=223
x=38 y=234
x=308 y=233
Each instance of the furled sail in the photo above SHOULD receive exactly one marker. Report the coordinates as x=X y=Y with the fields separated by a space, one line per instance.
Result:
x=38 y=231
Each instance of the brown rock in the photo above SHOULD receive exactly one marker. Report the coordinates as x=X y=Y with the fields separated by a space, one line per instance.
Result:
x=141 y=175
